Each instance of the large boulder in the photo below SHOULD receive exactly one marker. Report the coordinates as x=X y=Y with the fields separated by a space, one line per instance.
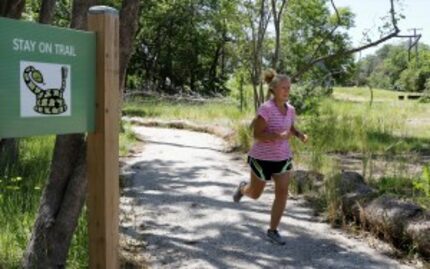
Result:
x=354 y=194
x=353 y=202
x=388 y=216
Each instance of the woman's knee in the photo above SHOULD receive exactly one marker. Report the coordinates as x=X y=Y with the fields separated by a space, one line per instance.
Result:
x=254 y=193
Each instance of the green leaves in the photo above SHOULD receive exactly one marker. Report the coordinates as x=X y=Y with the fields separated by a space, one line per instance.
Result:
x=308 y=34
x=423 y=184
x=185 y=45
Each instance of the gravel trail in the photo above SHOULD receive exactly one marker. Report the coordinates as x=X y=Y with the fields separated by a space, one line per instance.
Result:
x=177 y=203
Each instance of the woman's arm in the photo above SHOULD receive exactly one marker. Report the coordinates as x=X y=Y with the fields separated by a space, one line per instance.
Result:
x=259 y=133
x=303 y=137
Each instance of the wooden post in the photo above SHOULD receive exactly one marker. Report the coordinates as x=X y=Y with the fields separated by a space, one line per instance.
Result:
x=102 y=148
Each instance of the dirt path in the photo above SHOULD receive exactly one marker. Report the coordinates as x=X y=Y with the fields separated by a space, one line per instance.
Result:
x=177 y=206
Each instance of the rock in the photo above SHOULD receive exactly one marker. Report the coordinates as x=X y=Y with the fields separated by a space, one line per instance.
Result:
x=350 y=182
x=419 y=230
x=307 y=180
x=353 y=202
x=388 y=216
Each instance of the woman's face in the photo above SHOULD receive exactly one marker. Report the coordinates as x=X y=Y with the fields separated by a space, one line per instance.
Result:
x=282 y=90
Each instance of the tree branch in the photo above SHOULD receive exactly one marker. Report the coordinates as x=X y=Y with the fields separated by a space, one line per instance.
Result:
x=329 y=34
x=341 y=53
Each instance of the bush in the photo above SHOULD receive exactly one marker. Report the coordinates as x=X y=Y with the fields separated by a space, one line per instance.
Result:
x=306 y=98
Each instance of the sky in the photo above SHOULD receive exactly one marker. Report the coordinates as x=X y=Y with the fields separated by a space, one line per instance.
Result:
x=368 y=15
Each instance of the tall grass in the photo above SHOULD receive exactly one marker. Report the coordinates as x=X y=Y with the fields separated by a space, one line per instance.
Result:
x=20 y=192
x=219 y=112
x=344 y=127
x=127 y=138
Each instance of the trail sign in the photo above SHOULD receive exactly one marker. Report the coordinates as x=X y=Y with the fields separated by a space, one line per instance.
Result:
x=47 y=79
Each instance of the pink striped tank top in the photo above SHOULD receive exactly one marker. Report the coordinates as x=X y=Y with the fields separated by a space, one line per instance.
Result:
x=276 y=123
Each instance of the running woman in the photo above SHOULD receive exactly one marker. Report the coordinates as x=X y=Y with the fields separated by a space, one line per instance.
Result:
x=271 y=156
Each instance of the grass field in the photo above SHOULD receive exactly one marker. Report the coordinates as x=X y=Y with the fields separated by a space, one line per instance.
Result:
x=393 y=125
x=361 y=94
x=413 y=115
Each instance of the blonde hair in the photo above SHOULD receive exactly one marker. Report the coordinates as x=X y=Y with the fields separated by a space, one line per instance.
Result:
x=272 y=79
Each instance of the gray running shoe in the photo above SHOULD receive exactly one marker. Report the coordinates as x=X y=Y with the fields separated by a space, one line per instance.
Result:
x=238 y=194
x=275 y=237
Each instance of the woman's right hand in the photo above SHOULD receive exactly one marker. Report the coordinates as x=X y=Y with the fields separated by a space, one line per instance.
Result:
x=285 y=135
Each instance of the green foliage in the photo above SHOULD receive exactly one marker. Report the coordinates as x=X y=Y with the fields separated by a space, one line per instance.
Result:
x=416 y=189
x=20 y=193
x=342 y=127
x=78 y=254
x=223 y=110
x=390 y=68
x=244 y=97
x=332 y=199
x=62 y=14
x=184 y=44
x=400 y=186
x=197 y=46
x=426 y=93
x=422 y=184
x=127 y=139
x=306 y=97
x=244 y=137
x=305 y=25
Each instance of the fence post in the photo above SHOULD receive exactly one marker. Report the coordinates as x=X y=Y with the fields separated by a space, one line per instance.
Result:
x=102 y=148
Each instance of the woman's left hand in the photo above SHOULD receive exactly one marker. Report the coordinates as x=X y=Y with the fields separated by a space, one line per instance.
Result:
x=304 y=138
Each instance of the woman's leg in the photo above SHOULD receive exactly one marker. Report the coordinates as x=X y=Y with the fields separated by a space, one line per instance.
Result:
x=281 y=195
x=254 y=188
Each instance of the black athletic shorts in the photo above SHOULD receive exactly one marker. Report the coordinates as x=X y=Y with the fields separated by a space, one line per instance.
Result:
x=265 y=169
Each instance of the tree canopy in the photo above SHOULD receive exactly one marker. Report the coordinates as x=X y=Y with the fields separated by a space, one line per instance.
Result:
x=392 y=67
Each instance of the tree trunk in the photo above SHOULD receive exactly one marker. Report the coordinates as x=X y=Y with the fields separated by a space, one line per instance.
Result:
x=9 y=148
x=129 y=17
x=47 y=11
x=212 y=71
x=277 y=16
x=9 y=153
x=79 y=13
x=12 y=8
x=64 y=194
x=60 y=206
x=257 y=57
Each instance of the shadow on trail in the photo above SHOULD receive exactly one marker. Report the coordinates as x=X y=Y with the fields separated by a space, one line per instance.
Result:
x=168 y=187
